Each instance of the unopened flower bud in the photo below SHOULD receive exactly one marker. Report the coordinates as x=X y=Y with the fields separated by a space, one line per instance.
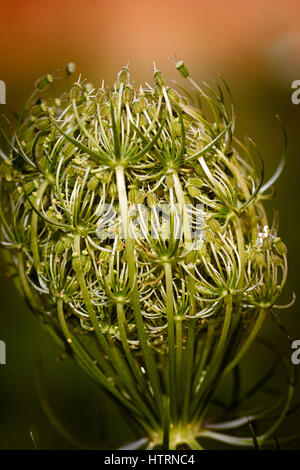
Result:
x=76 y=92
x=136 y=108
x=260 y=259
x=43 y=82
x=100 y=97
x=70 y=68
x=88 y=87
x=123 y=75
x=140 y=197
x=182 y=69
x=193 y=191
x=128 y=94
x=143 y=103
x=60 y=246
x=152 y=199
x=197 y=182
x=93 y=183
x=159 y=79
x=76 y=262
x=280 y=247
x=43 y=123
x=112 y=189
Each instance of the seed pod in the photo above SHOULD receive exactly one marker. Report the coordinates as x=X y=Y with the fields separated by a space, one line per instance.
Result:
x=128 y=94
x=115 y=99
x=100 y=97
x=151 y=111
x=70 y=68
x=123 y=75
x=159 y=79
x=43 y=123
x=152 y=200
x=143 y=121
x=177 y=128
x=88 y=87
x=251 y=254
x=197 y=182
x=112 y=189
x=260 y=259
x=76 y=262
x=87 y=264
x=29 y=187
x=68 y=149
x=76 y=92
x=182 y=69
x=143 y=103
x=104 y=110
x=60 y=246
x=209 y=235
x=280 y=247
x=44 y=82
x=174 y=96
x=217 y=244
x=214 y=225
x=93 y=183
x=103 y=177
x=277 y=260
x=193 y=191
x=91 y=108
x=267 y=244
x=136 y=108
x=68 y=241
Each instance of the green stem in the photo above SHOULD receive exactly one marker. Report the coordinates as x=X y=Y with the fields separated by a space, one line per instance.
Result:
x=34 y=227
x=88 y=363
x=247 y=343
x=149 y=360
x=116 y=360
x=214 y=366
x=132 y=363
x=188 y=376
x=179 y=356
x=204 y=355
x=171 y=341
x=191 y=290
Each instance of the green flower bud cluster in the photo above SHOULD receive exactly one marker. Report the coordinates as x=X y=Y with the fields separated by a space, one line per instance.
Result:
x=169 y=316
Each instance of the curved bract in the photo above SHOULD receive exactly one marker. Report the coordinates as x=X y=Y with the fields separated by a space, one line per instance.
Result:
x=135 y=223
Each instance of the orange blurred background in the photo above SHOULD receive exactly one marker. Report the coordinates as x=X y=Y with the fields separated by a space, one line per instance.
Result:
x=261 y=36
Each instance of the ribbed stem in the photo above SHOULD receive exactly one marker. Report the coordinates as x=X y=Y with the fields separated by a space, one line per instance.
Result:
x=214 y=366
x=149 y=360
x=189 y=353
x=171 y=341
x=248 y=342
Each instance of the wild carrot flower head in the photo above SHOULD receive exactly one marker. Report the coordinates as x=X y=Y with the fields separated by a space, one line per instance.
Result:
x=135 y=221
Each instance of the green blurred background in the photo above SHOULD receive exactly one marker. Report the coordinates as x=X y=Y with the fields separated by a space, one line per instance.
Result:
x=255 y=46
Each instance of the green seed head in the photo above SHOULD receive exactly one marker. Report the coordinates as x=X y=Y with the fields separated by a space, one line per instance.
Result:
x=84 y=191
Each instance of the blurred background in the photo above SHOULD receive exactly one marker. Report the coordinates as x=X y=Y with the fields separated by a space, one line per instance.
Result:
x=255 y=46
